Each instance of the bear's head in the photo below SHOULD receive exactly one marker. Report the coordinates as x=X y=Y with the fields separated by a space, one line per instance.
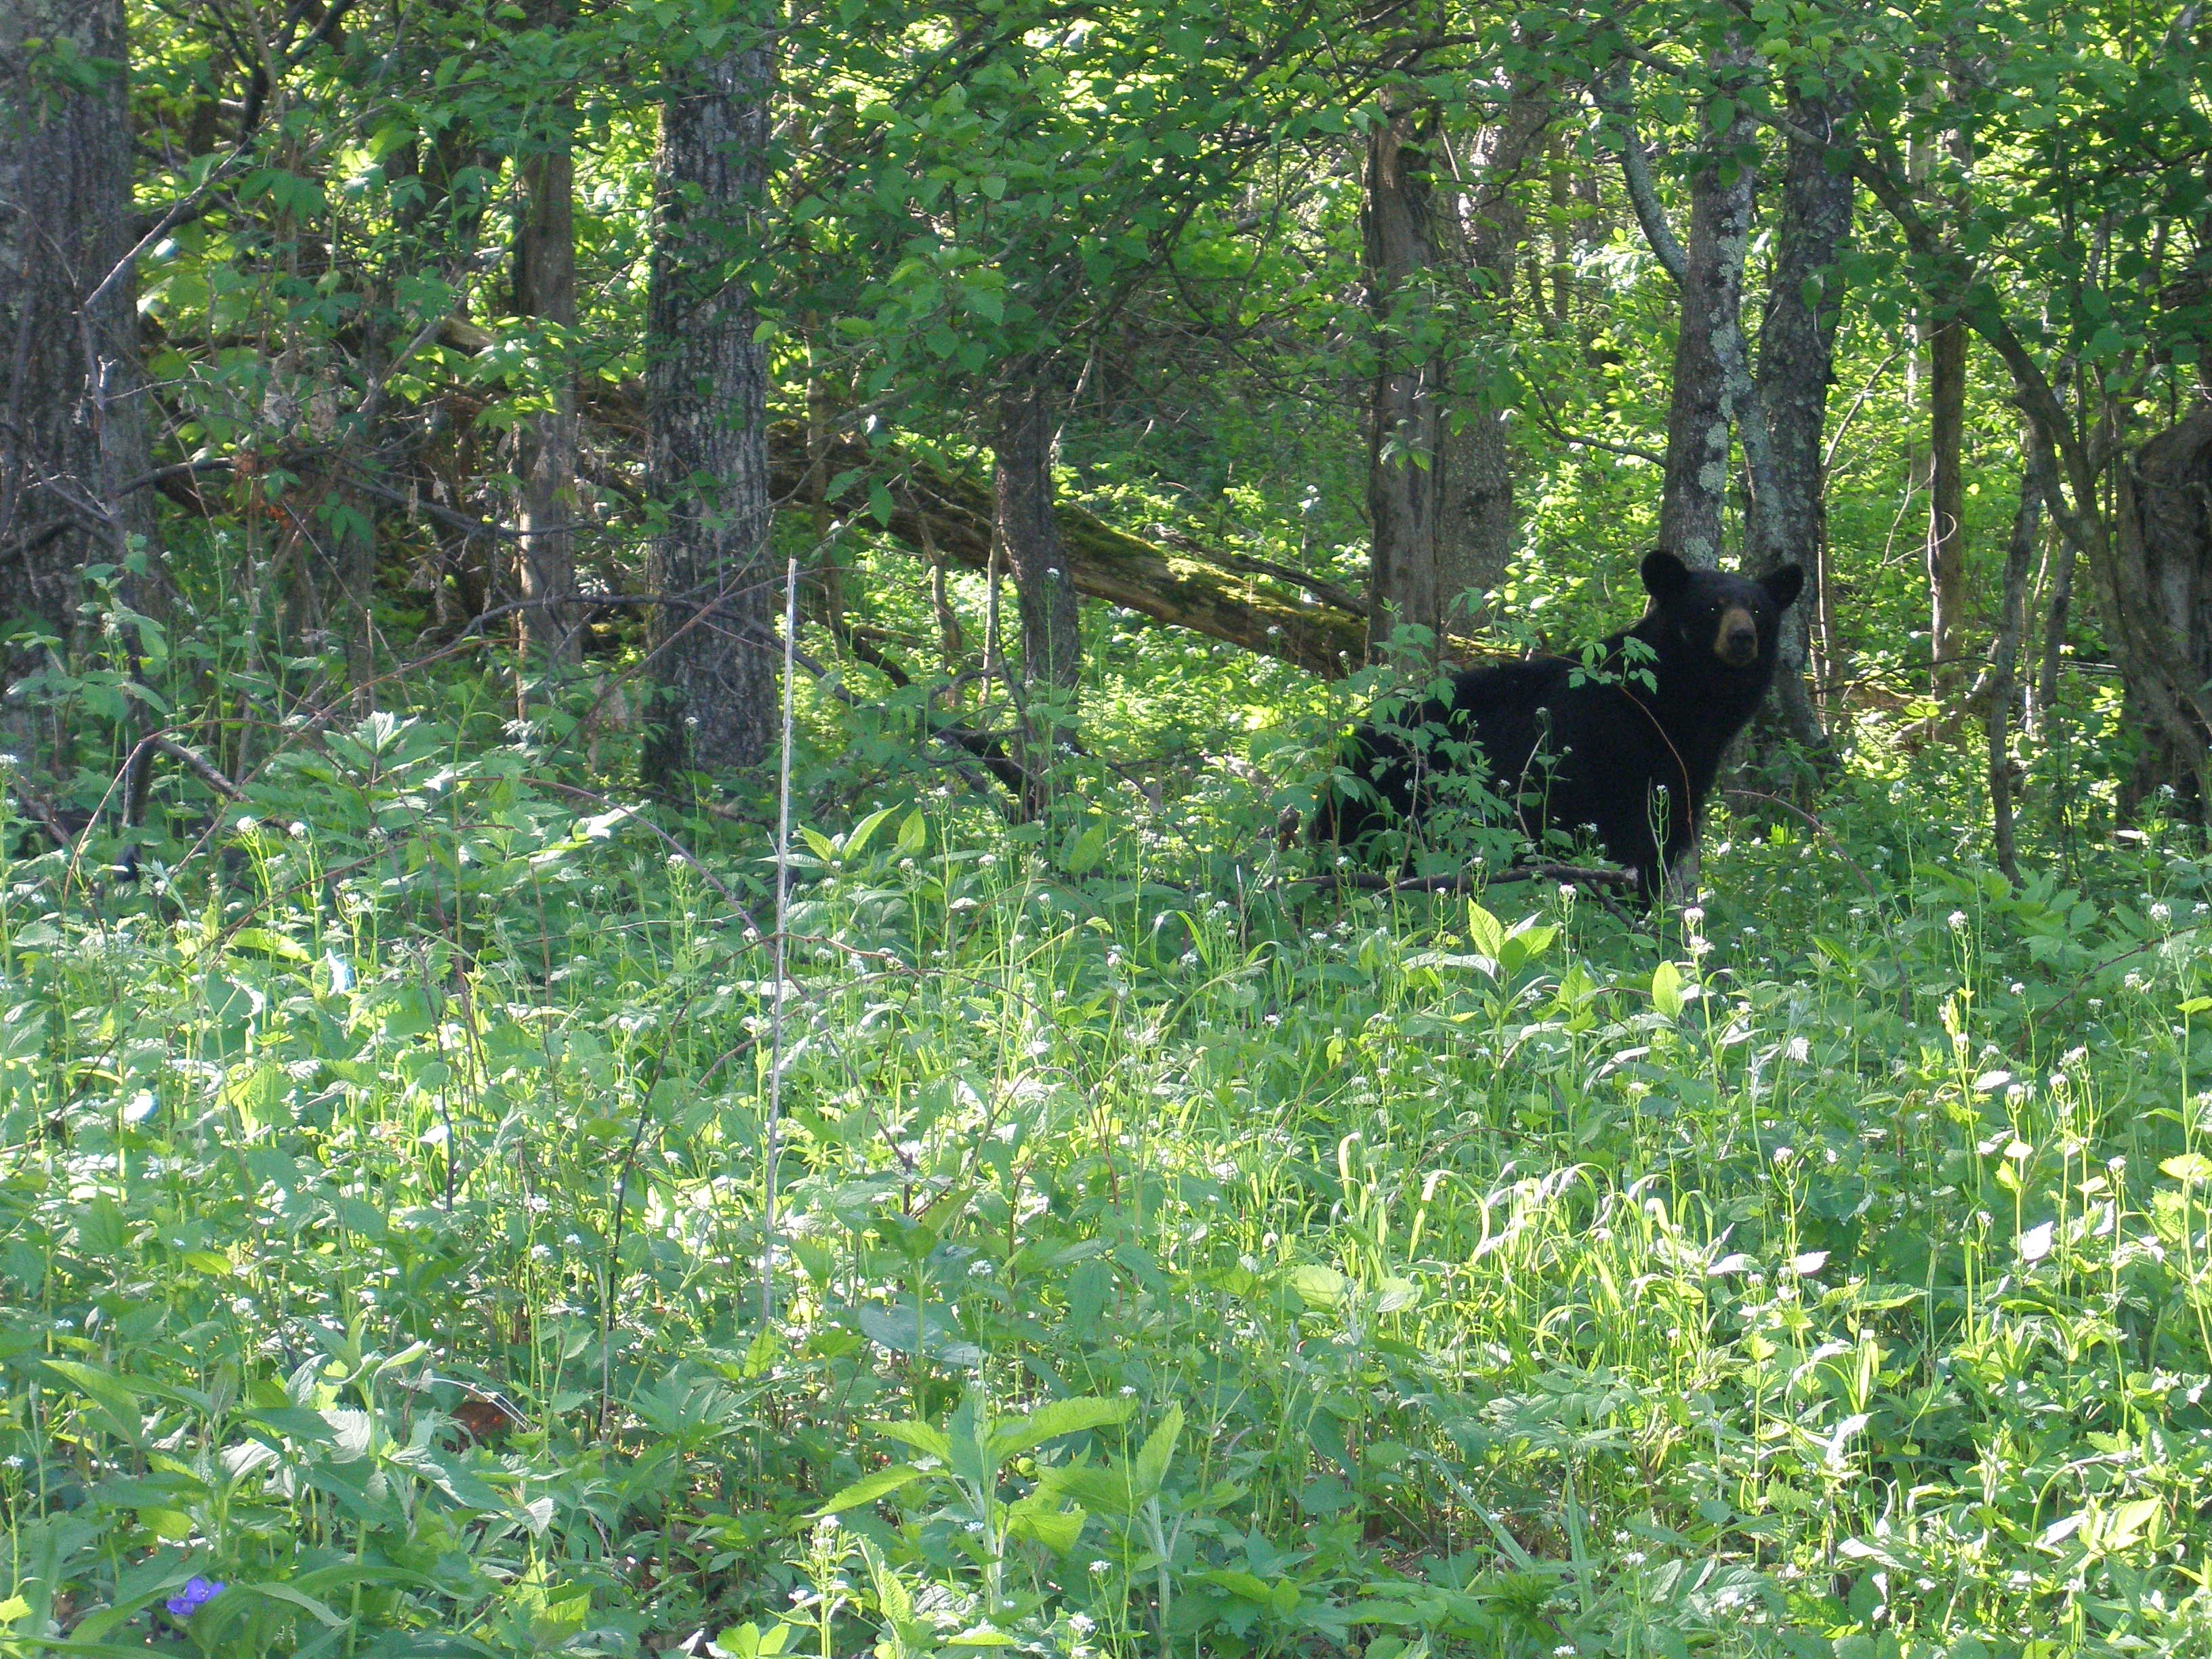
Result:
x=1735 y=618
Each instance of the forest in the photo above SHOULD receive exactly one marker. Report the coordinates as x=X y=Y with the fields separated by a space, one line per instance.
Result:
x=666 y=985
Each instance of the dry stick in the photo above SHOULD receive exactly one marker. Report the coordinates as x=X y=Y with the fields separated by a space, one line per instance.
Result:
x=200 y=767
x=773 y=1132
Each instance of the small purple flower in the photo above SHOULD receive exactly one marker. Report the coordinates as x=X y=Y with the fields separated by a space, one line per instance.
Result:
x=199 y=1592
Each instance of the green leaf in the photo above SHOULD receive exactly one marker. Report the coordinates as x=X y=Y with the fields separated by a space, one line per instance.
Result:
x=1319 y=1287
x=1054 y=1418
x=1057 y=1529
x=1484 y=931
x=270 y=943
x=868 y=1488
x=1149 y=1471
x=117 y=1399
x=856 y=839
x=1666 y=989
x=1084 y=850
x=752 y=1642
x=920 y=1435
x=289 y=1597
x=1106 y=1491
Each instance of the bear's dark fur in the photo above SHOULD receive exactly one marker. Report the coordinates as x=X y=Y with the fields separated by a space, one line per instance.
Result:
x=1628 y=744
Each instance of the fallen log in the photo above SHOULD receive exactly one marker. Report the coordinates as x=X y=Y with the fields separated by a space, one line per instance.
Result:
x=1251 y=603
x=1208 y=595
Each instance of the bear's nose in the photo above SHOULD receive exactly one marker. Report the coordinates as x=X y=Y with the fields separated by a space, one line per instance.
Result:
x=1736 y=641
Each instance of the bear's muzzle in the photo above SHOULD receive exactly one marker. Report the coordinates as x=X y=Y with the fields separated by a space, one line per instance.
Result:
x=1735 y=642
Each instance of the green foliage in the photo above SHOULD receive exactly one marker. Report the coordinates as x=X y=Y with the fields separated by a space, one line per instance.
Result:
x=1168 y=1260
x=1222 y=1269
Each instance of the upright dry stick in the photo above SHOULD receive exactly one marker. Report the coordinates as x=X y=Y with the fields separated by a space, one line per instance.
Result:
x=782 y=942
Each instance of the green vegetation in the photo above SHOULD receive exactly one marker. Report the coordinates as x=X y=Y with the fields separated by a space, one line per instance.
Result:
x=1168 y=1261
x=454 y=1199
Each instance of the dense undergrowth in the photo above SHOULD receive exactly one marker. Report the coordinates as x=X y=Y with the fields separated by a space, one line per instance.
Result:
x=1168 y=1259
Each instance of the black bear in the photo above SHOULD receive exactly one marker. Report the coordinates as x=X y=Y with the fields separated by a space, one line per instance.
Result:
x=1624 y=741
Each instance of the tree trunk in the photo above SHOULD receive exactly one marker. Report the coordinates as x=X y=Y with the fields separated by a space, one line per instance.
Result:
x=72 y=417
x=1797 y=366
x=2163 y=535
x=2056 y=613
x=545 y=289
x=1999 y=687
x=1700 y=413
x=714 y=653
x=1404 y=587
x=1946 y=545
x=829 y=575
x=1440 y=480
x=1477 y=521
x=1044 y=585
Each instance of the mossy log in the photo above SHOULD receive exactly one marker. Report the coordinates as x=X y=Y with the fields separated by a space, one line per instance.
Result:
x=1246 y=602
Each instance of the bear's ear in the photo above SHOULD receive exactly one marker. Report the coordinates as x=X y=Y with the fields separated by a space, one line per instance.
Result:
x=1666 y=578
x=1784 y=586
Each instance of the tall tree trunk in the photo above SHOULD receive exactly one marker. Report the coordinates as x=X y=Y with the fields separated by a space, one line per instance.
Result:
x=1440 y=480
x=545 y=289
x=713 y=654
x=1701 y=411
x=1563 y=267
x=2057 y=612
x=1946 y=545
x=72 y=406
x=2161 y=584
x=1404 y=586
x=1797 y=366
x=1477 y=521
x=1999 y=687
x=829 y=573
x=1044 y=583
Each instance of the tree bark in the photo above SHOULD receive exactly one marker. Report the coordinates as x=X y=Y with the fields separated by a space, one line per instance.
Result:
x=545 y=289
x=2165 y=536
x=1797 y=366
x=72 y=393
x=1405 y=586
x=1478 y=520
x=1702 y=409
x=713 y=653
x=1946 y=543
x=2056 y=613
x=1440 y=478
x=2000 y=686
x=1044 y=590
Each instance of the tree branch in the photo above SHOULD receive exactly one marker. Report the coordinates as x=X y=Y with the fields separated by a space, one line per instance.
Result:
x=1636 y=169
